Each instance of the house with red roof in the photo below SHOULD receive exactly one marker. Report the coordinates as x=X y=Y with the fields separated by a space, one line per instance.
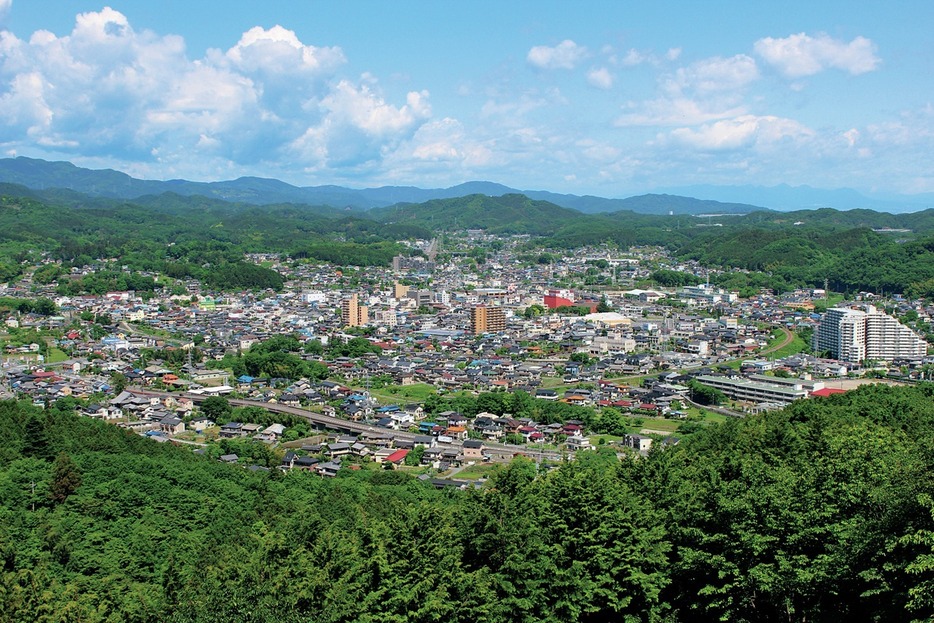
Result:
x=396 y=458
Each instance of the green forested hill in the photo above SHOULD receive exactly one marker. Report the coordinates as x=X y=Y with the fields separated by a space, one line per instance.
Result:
x=186 y=236
x=180 y=235
x=849 y=259
x=507 y=214
x=822 y=512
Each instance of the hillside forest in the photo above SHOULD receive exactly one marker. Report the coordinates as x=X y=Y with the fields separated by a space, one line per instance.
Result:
x=172 y=237
x=820 y=512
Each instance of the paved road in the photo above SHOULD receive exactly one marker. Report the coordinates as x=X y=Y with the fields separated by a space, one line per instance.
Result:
x=497 y=451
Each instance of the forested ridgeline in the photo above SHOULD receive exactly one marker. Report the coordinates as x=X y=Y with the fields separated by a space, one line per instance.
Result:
x=182 y=237
x=196 y=237
x=821 y=512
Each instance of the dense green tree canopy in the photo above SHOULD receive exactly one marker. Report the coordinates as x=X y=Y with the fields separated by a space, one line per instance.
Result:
x=820 y=512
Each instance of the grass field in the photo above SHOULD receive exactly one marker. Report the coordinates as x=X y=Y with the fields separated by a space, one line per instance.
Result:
x=474 y=472
x=56 y=355
x=796 y=346
x=399 y=393
x=659 y=424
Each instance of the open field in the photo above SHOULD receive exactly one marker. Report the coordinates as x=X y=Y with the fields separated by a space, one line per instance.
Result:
x=403 y=393
x=474 y=472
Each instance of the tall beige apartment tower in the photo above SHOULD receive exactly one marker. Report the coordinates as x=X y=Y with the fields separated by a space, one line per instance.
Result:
x=353 y=314
x=485 y=319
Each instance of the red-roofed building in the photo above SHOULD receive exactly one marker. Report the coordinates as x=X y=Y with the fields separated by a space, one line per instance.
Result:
x=827 y=391
x=396 y=457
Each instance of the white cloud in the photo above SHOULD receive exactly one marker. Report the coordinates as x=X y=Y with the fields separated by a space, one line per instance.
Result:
x=512 y=110
x=741 y=132
x=913 y=129
x=600 y=152
x=565 y=55
x=707 y=90
x=279 y=51
x=677 y=111
x=715 y=75
x=106 y=90
x=802 y=55
x=359 y=127
x=5 y=7
x=634 y=57
x=600 y=77
x=851 y=136
x=368 y=112
x=438 y=140
x=24 y=105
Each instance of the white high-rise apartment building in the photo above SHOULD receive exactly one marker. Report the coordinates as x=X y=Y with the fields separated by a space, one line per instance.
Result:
x=842 y=332
x=887 y=339
x=854 y=335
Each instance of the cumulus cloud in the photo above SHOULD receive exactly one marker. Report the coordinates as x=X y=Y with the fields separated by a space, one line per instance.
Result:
x=565 y=55
x=359 y=126
x=800 y=55
x=279 y=49
x=365 y=110
x=600 y=77
x=741 y=132
x=105 y=89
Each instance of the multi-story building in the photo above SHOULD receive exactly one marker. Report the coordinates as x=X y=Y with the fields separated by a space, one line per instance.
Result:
x=888 y=339
x=385 y=318
x=757 y=391
x=353 y=314
x=559 y=298
x=399 y=290
x=485 y=319
x=855 y=335
x=842 y=332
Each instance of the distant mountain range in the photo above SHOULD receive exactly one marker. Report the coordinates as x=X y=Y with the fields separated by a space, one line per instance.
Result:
x=44 y=175
x=786 y=198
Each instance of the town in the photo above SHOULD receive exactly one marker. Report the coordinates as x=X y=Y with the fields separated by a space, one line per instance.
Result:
x=396 y=366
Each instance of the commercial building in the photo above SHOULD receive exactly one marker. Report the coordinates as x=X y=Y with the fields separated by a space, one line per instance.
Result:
x=559 y=298
x=485 y=319
x=857 y=335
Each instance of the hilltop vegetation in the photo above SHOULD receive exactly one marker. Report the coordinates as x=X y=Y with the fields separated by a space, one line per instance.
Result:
x=849 y=259
x=821 y=512
x=509 y=214
x=184 y=237
x=205 y=238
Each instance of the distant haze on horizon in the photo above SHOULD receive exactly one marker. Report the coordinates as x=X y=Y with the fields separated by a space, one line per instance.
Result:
x=609 y=99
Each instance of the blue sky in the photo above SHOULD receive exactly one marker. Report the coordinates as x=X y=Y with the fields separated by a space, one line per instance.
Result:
x=605 y=98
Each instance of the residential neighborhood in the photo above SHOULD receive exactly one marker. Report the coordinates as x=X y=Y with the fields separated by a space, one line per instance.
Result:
x=575 y=332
